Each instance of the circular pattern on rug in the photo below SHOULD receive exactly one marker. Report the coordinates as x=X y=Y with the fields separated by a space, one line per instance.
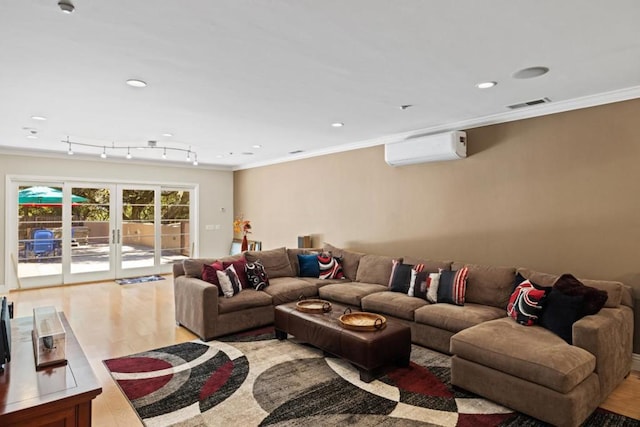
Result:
x=328 y=391
x=192 y=377
x=292 y=383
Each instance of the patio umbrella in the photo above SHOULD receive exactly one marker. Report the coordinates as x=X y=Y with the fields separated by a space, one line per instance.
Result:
x=45 y=196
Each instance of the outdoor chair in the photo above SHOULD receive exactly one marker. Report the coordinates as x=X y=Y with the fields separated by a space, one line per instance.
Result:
x=42 y=243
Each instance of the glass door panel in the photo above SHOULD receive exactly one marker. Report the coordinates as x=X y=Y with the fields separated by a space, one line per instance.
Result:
x=137 y=233
x=175 y=241
x=39 y=231
x=91 y=230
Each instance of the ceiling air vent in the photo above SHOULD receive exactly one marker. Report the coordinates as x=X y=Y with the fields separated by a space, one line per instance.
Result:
x=529 y=103
x=296 y=152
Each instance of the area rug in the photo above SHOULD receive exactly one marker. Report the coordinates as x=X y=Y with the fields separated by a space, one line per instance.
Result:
x=255 y=380
x=141 y=279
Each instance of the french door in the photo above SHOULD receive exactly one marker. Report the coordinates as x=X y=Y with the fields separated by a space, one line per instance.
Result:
x=72 y=232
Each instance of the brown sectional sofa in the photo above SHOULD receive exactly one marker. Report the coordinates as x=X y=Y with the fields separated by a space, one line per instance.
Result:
x=526 y=368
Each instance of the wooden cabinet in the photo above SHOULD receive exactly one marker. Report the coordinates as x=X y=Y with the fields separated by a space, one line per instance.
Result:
x=58 y=396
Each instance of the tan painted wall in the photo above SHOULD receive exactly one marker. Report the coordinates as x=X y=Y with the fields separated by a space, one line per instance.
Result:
x=557 y=193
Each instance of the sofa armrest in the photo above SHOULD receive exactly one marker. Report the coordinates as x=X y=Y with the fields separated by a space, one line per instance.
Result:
x=607 y=335
x=196 y=305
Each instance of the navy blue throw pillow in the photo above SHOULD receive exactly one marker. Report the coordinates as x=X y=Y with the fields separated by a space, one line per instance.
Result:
x=309 y=266
x=559 y=312
x=401 y=279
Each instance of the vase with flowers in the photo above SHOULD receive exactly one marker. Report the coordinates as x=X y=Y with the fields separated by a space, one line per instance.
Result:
x=242 y=226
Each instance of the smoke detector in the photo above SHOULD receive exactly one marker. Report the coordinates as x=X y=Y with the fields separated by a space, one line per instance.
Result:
x=66 y=6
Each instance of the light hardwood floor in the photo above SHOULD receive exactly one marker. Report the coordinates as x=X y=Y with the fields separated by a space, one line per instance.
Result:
x=110 y=320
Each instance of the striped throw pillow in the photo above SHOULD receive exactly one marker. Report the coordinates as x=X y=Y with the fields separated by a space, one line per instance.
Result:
x=452 y=286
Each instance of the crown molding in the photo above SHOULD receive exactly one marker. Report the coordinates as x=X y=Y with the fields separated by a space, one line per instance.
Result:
x=553 y=107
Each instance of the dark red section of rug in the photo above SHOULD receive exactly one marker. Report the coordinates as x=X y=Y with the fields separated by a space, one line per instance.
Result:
x=136 y=364
x=135 y=389
x=217 y=380
x=475 y=420
x=418 y=379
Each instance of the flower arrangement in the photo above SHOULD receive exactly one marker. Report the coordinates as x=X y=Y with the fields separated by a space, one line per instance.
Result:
x=241 y=225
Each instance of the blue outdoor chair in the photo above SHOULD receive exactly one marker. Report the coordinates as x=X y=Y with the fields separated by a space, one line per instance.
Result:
x=42 y=243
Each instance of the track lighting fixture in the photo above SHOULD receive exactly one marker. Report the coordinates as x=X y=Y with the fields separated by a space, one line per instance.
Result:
x=192 y=156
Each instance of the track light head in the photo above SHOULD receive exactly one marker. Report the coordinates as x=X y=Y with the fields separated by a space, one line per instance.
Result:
x=66 y=6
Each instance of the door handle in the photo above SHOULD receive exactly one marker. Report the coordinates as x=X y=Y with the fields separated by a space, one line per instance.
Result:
x=113 y=235
x=118 y=236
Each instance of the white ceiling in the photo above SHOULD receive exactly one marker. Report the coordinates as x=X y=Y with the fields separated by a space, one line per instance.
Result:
x=226 y=75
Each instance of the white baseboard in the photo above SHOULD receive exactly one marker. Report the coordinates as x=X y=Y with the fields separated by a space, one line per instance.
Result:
x=635 y=362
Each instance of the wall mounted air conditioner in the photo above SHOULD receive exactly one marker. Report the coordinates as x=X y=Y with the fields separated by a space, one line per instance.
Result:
x=428 y=148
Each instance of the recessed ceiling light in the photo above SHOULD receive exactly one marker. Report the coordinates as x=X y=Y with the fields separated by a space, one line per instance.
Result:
x=485 y=85
x=405 y=106
x=256 y=146
x=296 y=151
x=32 y=137
x=41 y=118
x=337 y=124
x=167 y=134
x=247 y=153
x=530 y=73
x=136 y=83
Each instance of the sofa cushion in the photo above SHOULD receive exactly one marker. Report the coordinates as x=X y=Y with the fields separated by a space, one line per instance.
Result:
x=375 y=269
x=454 y=318
x=452 y=286
x=525 y=303
x=350 y=259
x=288 y=289
x=350 y=293
x=248 y=298
x=392 y=303
x=613 y=289
x=430 y=266
x=308 y=265
x=531 y=353
x=193 y=266
x=318 y=283
x=276 y=262
x=488 y=285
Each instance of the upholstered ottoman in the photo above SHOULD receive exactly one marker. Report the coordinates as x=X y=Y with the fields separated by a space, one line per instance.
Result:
x=370 y=352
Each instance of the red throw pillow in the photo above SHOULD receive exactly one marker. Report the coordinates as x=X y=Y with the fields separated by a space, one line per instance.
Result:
x=210 y=275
